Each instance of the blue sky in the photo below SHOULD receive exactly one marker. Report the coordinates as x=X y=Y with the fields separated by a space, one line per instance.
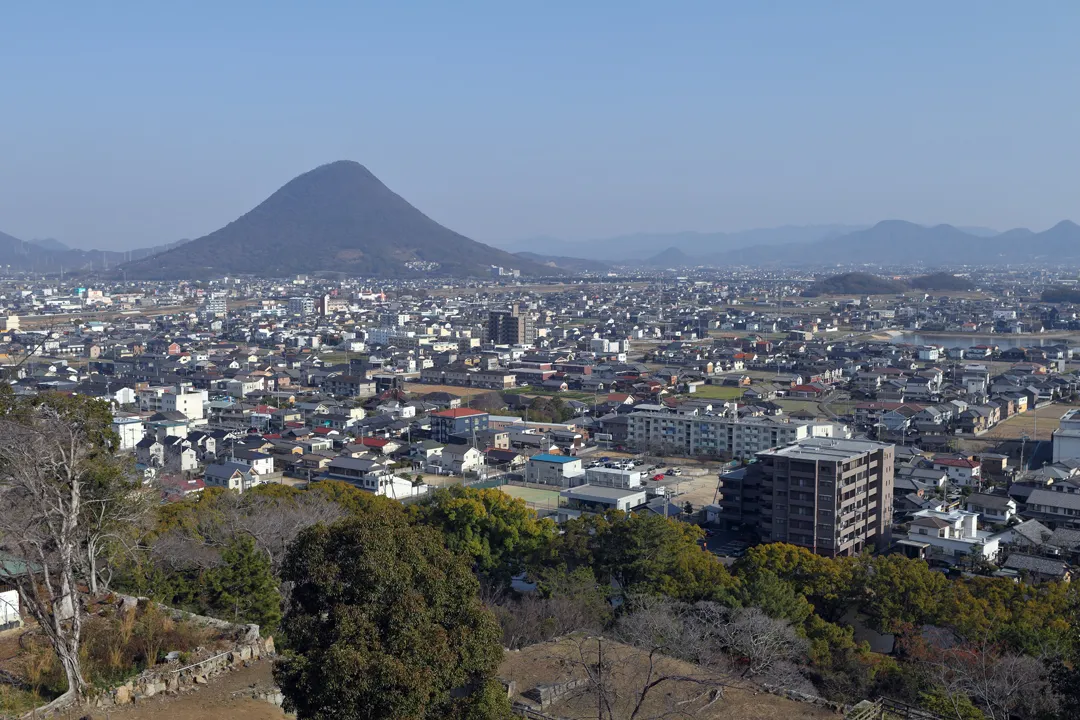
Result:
x=132 y=123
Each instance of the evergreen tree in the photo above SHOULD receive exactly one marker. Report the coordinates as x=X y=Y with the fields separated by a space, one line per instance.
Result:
x=244 y=588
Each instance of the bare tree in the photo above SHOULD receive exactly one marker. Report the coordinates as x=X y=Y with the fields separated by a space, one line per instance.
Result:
x=273 y=522
x=113 y=510
x=1001 y=684
x=45 y=468
x=667 y=659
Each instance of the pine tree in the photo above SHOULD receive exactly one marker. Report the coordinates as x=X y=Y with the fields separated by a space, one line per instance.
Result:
x=244 y=588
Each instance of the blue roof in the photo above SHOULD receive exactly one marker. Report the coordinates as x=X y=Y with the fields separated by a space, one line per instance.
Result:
x=545 y=457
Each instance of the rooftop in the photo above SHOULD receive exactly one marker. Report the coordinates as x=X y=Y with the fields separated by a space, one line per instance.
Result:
x=457 y=412
x=827 y=449
x=547 y=457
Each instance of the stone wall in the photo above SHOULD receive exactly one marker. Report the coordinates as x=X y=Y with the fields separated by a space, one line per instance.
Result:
x=170 y=679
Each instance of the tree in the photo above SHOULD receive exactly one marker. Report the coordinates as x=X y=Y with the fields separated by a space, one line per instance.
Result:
x=55 y=460
x=646 y=553
x=243 y=588
x=385 y=622
x=500 y=533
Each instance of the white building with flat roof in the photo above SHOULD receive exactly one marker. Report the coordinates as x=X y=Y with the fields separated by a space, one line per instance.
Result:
x=952 y=534
x=1067 y=437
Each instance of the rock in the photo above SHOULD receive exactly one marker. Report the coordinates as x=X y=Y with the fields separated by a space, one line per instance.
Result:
x=200 y=679
x=268 y=645
x=124 y=694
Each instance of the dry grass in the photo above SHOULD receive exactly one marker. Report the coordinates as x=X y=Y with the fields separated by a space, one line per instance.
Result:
x=419 y=389
x=555 y=662
x=1012 y=428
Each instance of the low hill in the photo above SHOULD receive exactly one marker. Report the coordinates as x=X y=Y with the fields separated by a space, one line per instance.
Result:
x=1060 y=294
x=855 y=283
x=573 y=264
x=670 y=257
x=335 y=218
x=941 y=281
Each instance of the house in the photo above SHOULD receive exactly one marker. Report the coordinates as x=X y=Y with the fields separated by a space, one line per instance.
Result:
x=1055 y=509
x=991 y=508
x=459 y=459
x=10 y=607
x=510 y=459
x=1038 y=569
x=558 y=470
x=260 y=463
x=231 y=476
x=952 y=534
x=961 y=471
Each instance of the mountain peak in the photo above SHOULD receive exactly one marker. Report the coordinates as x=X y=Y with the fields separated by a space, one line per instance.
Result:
x=337 y=217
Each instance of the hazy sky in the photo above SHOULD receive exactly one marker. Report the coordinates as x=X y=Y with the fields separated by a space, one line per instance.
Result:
x=132 y=123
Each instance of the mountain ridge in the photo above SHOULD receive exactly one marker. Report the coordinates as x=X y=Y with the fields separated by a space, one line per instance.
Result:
x=337 y=217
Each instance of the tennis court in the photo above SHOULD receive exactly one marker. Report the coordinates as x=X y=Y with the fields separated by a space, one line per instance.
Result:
x=533 y=496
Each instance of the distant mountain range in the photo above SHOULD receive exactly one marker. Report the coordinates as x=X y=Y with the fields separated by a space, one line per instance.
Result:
x=337 y=218
x=50 y=255
x=891 y=242
x=572 y=264
x=642 y=246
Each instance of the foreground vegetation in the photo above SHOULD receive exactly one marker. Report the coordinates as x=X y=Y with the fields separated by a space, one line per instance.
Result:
x=407 y=609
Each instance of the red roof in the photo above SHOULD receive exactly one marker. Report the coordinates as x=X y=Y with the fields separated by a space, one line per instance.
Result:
x=457 y=412
x=374 y=442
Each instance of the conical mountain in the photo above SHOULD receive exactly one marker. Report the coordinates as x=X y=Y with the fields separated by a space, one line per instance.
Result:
x=337 y=217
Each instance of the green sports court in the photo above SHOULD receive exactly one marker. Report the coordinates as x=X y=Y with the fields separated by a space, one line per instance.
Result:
x=533 y=496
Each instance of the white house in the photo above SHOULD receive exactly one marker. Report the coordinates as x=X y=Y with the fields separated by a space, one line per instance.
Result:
x=952 y=534
x=261 y=463
x=961 y=471
x=459 y=459
x=560 y=470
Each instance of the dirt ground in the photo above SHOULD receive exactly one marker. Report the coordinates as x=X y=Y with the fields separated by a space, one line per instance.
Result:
x=215 y=701
x=555 y=662
x=1014 y=427
x=419 y=389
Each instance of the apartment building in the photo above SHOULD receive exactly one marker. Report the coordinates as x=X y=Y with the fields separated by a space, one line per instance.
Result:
x=832 y=496
x=740 y=438
x=510 y=327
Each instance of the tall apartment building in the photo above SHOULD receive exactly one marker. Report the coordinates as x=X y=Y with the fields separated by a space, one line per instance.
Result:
x=831 y=496
x=691 y=435
x=302 y=306
x=510 y=327
x=215 y=305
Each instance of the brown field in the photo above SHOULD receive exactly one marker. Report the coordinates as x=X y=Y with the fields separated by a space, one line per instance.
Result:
x=1014 y=427
x=461 y=392
x=546 y=664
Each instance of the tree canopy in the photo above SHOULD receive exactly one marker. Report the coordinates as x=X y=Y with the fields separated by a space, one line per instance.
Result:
x=385 y=622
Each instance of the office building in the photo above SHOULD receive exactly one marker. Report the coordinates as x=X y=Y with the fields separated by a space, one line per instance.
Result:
x=510 y=327
x=831 y=496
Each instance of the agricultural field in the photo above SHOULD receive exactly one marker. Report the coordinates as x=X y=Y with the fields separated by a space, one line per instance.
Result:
x=717 y=392
x=1013 y=428
x=461 y=392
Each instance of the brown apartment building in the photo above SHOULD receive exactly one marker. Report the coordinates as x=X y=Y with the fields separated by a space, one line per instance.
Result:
x=832 y=496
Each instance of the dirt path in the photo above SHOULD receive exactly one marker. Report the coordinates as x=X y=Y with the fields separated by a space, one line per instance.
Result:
x=215 y=701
